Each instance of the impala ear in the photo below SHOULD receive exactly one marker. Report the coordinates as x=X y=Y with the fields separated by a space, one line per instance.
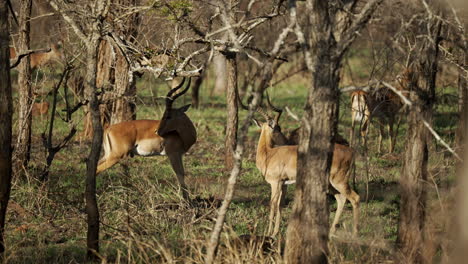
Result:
x=256 y=122
x=185 y=108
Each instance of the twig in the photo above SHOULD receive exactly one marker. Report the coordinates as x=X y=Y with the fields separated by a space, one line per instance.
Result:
x=291 y=114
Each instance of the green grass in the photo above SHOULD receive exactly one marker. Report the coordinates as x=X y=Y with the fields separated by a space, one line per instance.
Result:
x=144 y=219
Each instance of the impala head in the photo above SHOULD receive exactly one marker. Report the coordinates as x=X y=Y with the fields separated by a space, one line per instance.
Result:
x=173 y=117
x=271 y=125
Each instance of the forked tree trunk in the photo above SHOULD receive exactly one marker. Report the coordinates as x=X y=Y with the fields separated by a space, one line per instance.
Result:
x=232 y=110
x=6 y=112
x=411 y=226
x=23 y=143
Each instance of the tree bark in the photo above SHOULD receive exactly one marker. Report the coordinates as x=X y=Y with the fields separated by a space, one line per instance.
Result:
x=232 y=110
x=103 y=82
x=462 y=100
x=307 y=234
x=91 y=164
x=196 y=89
x=219 y=65
x=6 y=112
x=124 y=107
x=23 y=144
x=411 y=226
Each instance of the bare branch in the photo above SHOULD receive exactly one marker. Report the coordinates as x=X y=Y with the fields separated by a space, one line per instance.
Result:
x=54 y=4
x=358 y=23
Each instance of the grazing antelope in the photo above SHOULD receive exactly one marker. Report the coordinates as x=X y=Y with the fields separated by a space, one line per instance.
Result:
x=383 y=105
x=42 y=58
x=40 y=108
x=173 y=136
x=279 y=167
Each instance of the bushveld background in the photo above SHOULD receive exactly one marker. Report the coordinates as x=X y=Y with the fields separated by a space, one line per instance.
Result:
x=145 y=220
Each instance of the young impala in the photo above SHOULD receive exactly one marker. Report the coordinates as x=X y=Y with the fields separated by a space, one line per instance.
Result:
x=279 y=167
x=173 y=136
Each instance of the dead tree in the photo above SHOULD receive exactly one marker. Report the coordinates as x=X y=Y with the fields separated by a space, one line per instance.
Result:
x=23 y=144
x=329 y=35
x=6 y=112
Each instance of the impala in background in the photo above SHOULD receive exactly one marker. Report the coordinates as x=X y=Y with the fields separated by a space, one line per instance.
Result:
x=43 y=58
x=380 y=105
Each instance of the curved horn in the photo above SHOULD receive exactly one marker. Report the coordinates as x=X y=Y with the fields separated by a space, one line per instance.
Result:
x=173 y=90
x=170 y=98
x=274 y=108
x=265 y=115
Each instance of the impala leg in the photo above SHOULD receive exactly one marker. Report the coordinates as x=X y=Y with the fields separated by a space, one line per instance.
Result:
x=353 y=197
x=381 y=132
x=278 y=209
x=178 y=167
x=106 y=163
x=340 y=202
x=390 y=137
x=351 y=136
x=273 y=204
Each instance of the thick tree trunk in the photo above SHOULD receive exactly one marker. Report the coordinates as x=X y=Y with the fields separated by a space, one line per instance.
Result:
x=411 y=226
x=103 y=82
x=6 y=112
x=91 y=164
x=23 y=144
x=307 y=234
x=232 y=110
x=124 y=107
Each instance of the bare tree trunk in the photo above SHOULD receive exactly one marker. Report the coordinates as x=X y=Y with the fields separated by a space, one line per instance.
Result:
x=6 y=112
x=461 y=244
x=232 y=110
x=307 y=234
x=462 y=101
x=196 y=89
x=411 y=226
x=91 y=164
x=219 y=65
x=103 y=82
x=23 y=144
x=124 y=107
